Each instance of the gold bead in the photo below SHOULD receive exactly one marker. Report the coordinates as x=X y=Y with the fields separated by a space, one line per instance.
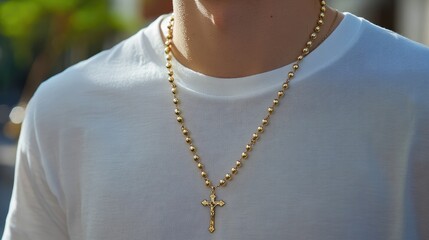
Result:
x=238 y=164
x=177 y=111
x=169 y=36
x=175 y=100
x=276 y=102
x=323 y=3
x=196 y=157
x=320 y=22
x=270 y=109
x=309 y=43
x=291 y=74
x=323 y=9
x=170 y=72
x=188 y=140
x=265 y=122
x=208 y=183
x=285 y=86
x=234 y=170
x=185 y=131
x=305 y=51
x=317 y=29
x=179 y=119
x=296 y=66
x=313 y=36
x=200 y=166
x=248 y=147
x=244 y=155
x=322 y=15
x=255 y=136
x=260 y=129
x=203 y=174
x=171 y=79
x=168 y=65
x=168 y=43
x=222 y=182
x=167 y=50
x=299 y=58
x=173 y=90
x=192 y=148
x=280 y=93
x=228 y=176
x=168 y=57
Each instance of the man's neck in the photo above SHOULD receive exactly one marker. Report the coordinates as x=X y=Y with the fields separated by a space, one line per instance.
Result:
x=235 y=38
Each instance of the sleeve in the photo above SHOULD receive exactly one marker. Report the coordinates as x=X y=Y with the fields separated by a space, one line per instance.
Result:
x=34 y=211
x=419 y=169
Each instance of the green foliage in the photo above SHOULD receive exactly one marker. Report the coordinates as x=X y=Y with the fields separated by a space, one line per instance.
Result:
x=30 y=24
x=17 y=17
x=43 y=31
x=59 y=6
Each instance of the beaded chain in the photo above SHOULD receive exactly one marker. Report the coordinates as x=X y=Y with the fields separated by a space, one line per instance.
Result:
x=260 y=129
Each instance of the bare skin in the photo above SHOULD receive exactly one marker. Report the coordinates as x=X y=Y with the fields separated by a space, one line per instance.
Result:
x=236 y=38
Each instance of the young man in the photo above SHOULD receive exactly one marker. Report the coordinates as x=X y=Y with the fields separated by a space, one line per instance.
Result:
x=341 y=152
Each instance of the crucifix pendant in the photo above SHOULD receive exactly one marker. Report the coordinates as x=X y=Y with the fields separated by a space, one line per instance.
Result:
x=212 y=204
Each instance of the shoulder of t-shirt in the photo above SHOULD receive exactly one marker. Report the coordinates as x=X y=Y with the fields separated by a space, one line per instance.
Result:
x=388 y=50
x=387 y=57
x=111 y=64
x=117 y=69
x=392 y=62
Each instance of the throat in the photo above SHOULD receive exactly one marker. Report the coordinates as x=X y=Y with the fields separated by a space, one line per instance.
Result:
x=221 y=41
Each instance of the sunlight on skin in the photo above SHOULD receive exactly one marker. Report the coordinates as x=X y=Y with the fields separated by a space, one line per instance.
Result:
x=242 y=37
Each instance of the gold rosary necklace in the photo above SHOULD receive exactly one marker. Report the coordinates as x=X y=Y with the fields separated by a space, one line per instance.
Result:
x=212 y=203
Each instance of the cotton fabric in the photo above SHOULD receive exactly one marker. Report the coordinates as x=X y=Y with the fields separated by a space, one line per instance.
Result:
x=346 y=154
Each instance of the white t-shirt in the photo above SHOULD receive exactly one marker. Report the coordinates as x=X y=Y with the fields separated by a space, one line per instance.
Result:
x=346 y=154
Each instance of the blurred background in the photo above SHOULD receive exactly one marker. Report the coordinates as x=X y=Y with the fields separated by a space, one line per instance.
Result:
x=39 y=38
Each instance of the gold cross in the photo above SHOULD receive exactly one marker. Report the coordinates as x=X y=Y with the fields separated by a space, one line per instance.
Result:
x=212 y=204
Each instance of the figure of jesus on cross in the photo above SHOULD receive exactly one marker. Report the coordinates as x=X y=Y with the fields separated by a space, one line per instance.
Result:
x=212 y=204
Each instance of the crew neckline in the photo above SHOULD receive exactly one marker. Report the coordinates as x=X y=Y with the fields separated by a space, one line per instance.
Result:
x=338 y=42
